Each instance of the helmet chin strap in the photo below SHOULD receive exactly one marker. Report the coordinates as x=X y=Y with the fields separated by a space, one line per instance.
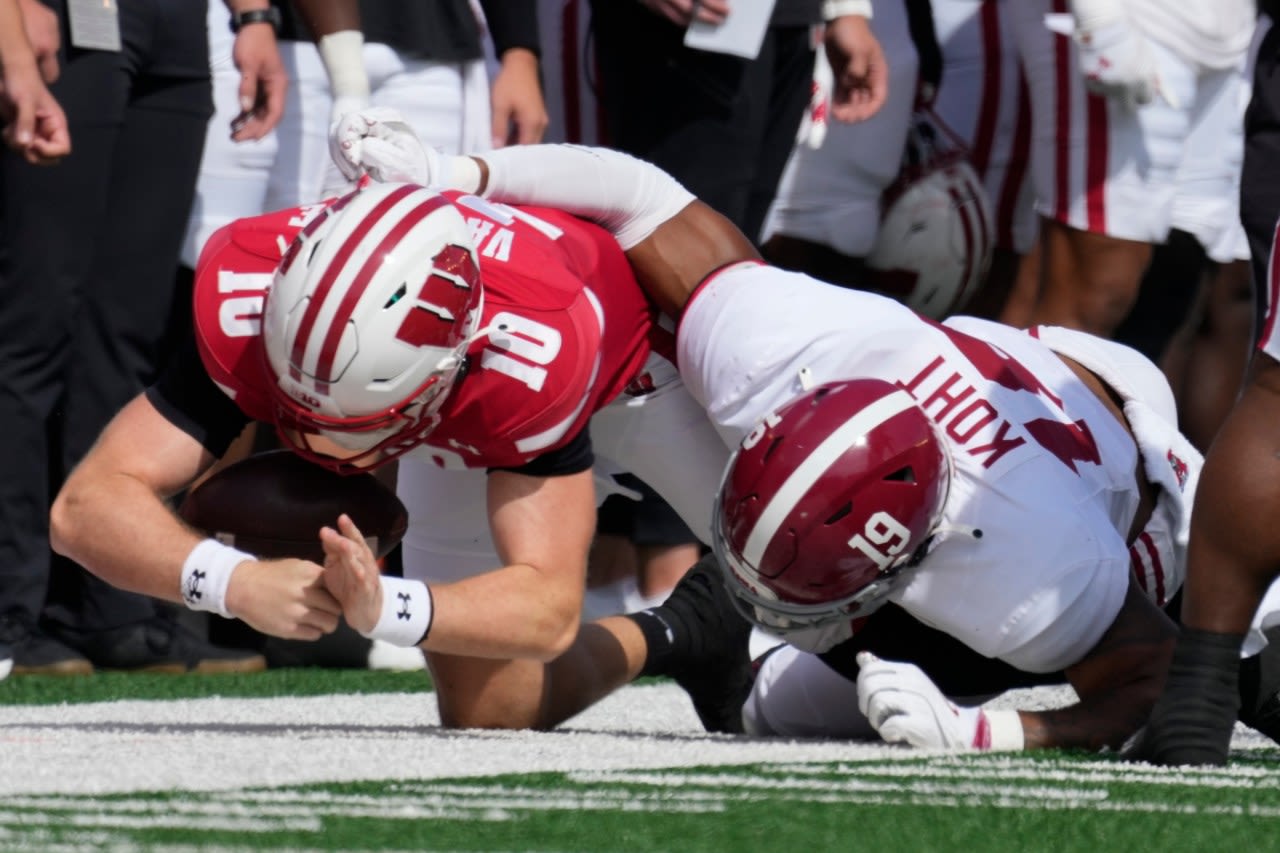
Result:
x=484 y=332
x=963 y=529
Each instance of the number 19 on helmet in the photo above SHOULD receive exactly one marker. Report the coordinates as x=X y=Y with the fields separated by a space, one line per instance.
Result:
x=827 y=501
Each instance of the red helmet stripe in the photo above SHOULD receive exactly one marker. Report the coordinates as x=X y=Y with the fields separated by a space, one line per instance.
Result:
x=970 y=248
x=803 y=478
x=335 y=267
x=350 y=299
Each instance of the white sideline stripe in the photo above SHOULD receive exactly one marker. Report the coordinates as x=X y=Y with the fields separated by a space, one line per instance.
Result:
x=219 y=744
x=803 y=478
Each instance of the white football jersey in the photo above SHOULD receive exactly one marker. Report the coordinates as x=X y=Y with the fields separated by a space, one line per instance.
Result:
x=1041 y=467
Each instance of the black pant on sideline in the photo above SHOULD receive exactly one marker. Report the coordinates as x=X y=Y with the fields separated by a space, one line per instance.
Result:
x=88 y=250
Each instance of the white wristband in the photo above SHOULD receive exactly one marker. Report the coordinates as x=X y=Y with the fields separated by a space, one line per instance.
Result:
x=406 y=613
x=1004 y=731
x=832 y=9
x=206 y=574
x=343 y=56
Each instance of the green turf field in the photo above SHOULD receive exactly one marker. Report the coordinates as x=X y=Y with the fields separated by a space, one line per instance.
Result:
x=625 y=783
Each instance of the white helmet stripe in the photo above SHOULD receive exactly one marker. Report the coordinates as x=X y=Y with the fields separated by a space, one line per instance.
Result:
x=823 y=456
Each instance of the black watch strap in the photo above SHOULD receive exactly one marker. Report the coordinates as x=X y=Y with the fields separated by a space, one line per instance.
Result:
x=269 y=15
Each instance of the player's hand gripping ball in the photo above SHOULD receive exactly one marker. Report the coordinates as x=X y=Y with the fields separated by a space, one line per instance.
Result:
x=273 y=505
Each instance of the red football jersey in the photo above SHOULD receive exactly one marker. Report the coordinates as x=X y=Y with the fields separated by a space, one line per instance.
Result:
x=567 y=327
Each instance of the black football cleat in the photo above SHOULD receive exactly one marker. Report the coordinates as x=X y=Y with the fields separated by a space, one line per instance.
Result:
x=32 y=651
x=160 y=644
x=704 y=647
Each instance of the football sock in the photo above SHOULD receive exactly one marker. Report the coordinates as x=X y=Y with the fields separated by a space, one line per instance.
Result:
x=1194 y=717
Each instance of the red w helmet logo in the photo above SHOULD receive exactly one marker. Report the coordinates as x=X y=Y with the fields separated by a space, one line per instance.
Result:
x=443 y=300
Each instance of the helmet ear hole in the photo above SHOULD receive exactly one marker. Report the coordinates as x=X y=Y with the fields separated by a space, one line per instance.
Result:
x=906 y=474
x=397 y=296
x=839 y=514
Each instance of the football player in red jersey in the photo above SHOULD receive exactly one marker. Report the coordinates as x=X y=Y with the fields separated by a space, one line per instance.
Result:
x=473 y=342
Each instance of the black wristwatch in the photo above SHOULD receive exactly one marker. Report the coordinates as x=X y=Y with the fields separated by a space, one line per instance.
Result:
x=269 y=15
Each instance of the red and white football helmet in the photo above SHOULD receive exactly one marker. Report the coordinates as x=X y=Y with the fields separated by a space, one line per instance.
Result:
x=827 y=501
x=936 y=235
x=367 y=323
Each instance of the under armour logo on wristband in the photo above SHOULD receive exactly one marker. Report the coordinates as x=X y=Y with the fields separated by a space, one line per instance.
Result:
x=404 y=613
x=192 y=593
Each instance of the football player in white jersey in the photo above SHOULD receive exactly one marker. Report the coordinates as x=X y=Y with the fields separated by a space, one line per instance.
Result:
x=1116 y=87
x=1048 y=539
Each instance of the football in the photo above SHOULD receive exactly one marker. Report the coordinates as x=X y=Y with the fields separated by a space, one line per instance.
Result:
x=273 y=505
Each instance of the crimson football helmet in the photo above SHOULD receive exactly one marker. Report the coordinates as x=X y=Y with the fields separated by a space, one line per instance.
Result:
x=367 y=323
x=936 y=235
x=827 y=501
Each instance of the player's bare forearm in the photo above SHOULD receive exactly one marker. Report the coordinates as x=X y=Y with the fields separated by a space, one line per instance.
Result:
x=1118 y=682
x=111 y=515
x=529 y=607
x=323 y=17
x=684 y=250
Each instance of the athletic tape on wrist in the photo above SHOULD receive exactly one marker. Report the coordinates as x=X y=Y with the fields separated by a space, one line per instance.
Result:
x=406 y=613
x=1000 y=731
x=832 y=9
x=460 y=173
x=343 y=56
x=206 y=573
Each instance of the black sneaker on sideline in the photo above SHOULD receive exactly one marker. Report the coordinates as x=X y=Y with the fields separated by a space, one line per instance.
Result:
x=709 y=654
x=159 y=644
x=34 y=652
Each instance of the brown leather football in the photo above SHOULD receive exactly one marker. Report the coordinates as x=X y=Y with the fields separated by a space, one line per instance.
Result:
x=273 y=505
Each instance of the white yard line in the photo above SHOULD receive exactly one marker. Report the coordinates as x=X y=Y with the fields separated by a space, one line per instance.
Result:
x=219 y=744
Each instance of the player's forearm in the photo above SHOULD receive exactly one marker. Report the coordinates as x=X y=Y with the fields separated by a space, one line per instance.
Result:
x=335 y=27
x=121 y=531
x=1092 y=725
x=1118 y=682
x=323 y=17
x=514 y=612
x=14 y=47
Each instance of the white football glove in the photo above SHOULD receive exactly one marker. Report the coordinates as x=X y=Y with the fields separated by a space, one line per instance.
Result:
x=905 y=706
x=1116 y=61
x=378 y=142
